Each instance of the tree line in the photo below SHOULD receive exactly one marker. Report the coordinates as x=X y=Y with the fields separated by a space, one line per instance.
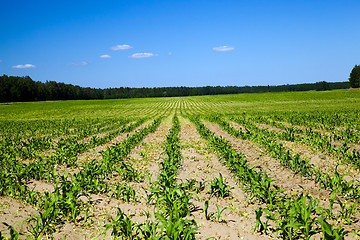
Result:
x=23 y=89
x=354 y=78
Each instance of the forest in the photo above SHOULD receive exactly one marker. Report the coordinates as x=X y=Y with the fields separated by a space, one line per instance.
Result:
x=24 y=89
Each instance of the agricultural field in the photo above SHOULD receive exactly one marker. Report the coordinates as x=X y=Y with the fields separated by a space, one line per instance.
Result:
x=248 y=166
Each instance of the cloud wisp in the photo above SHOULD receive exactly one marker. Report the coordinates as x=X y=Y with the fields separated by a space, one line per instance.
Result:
x=24 y=66
x=0 y=60
x=105 y=56
x=142 y=55
x=84 y=63
x=223 y=49
x=121 y=47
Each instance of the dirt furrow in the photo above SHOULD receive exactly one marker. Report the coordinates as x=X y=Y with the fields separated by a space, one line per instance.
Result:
x=94 y=153
x=269 y=127
x=321 y=160
x=17 y=214
x=147 y=155
x=237 y=220
x=324 y=132
x=283 y=177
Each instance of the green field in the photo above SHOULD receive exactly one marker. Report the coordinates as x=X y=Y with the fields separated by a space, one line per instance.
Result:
x=261 y=102
x=246 y=166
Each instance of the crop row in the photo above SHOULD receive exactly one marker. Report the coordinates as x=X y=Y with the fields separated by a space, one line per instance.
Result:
x=170 y=198
x=24 y=129
x=343 y=126
x=33 y=147
x=295 y=216
x=64 y=202
x=323 y=142
x=336 y=184
x=328 y=120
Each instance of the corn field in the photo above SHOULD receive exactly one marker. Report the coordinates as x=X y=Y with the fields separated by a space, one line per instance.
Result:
x=250 y=166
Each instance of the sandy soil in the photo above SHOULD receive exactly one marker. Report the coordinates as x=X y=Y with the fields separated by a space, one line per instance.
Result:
x=286 y=179
x=94 y=153
x=201 y=164
x=323 y=161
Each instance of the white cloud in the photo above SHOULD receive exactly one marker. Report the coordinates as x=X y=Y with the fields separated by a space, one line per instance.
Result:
x=105 y=56
x=79 y=63
x=142 y=55
x=121 y=47
x=223 y=49
x=24 y=66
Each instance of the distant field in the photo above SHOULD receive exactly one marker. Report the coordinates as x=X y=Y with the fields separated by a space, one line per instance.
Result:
x=257 y=102
x=246 y=166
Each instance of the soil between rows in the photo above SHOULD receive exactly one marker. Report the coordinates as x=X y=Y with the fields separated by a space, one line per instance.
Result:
x=203 y=165
x=323 y=161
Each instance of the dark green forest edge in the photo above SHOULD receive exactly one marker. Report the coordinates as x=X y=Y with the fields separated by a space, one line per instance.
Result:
x=23 y=89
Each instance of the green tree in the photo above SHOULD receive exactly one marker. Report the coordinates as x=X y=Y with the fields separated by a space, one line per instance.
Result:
x=322 y=86
x=355 y=77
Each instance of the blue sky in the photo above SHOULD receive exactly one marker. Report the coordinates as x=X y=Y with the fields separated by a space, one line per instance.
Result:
x=157 y=43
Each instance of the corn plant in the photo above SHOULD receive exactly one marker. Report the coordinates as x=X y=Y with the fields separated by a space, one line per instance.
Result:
x=219 y=188
x=175 y=227
x=121 y=226
x=260 y=225
x=213 y=216
x=347 y=212
x=193 y=185
x=149 y=230
x=124 y=192
x=14 y=235
x=128 y=173
x=331 y=233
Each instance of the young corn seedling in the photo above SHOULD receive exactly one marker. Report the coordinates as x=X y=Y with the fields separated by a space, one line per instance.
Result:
x=41 y=224
x=193 y=185
x=121 y=226
x=214 y=216
x=149 y=230
x=300 y=214
x=124 y=192
x=128 y=173
x=331 y=233
x=14 y=235
x=347 y=212
x=219 y=188
x=176 y=227
x=261 y=226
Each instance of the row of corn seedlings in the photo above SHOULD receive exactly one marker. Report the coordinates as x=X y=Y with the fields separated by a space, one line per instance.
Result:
x=341 y=125
x=328 y=120
x=171 y=200
x=33 y=146
x=290 y=217
x=348 y=134
x=323 y=143
x=336 y=183
x=64 y=202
